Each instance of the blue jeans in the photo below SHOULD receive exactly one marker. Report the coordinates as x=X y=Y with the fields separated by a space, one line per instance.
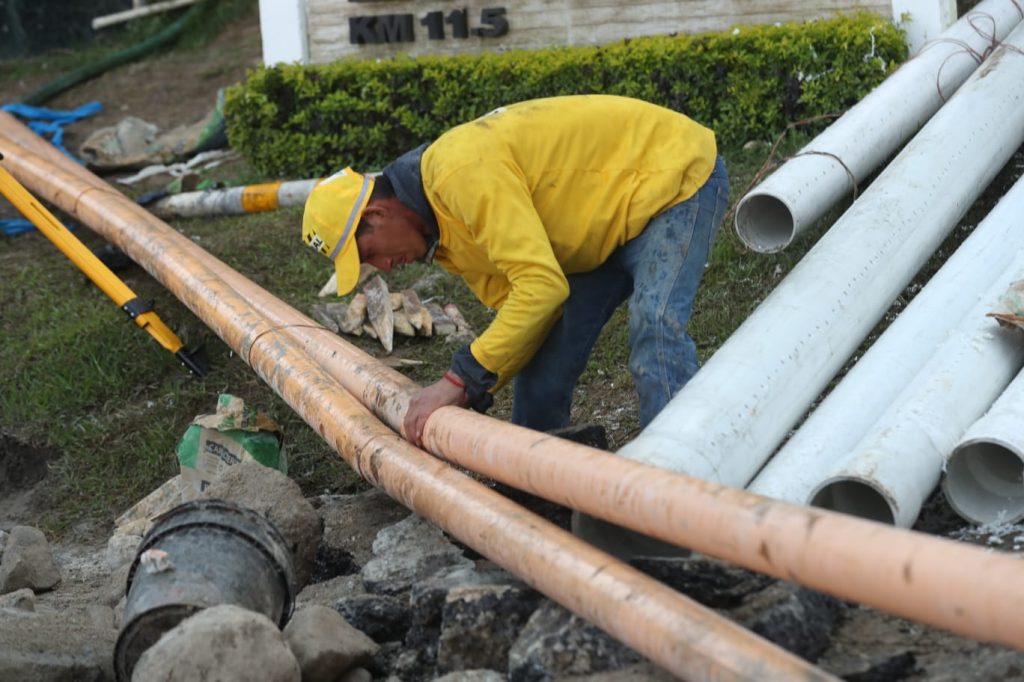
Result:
x=659 y=271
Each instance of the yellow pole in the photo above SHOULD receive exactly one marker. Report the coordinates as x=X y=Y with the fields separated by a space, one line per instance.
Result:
x=86 y=261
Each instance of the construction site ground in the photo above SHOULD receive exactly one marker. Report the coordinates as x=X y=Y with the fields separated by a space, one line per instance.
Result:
x=92 y=409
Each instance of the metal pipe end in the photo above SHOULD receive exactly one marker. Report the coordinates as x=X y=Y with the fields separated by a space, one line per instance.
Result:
x=856 y=497
x=983 y=482
x=765 y=223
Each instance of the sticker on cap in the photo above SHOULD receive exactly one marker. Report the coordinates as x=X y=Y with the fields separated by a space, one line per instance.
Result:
x=340 y=174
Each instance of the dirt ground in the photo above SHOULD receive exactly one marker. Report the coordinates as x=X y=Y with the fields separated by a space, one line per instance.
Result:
x=179 y=88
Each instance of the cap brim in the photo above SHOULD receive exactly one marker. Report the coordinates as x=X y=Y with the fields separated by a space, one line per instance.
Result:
x=346 y=265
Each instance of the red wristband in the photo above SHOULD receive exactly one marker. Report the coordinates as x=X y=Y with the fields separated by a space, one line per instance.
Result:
x=453 y=378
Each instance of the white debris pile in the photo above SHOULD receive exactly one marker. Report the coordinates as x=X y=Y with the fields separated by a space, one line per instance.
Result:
x=380 y=313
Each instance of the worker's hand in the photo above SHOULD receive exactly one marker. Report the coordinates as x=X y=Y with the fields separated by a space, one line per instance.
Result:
x=423 y=404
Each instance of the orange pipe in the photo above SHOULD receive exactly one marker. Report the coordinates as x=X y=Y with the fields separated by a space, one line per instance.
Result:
x=917 y=576
x=667 y=627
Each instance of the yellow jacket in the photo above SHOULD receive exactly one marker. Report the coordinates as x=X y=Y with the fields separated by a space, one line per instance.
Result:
x=537 y=190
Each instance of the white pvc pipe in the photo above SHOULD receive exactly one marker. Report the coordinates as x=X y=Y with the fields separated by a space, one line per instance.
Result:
x=138 y=12
x=724 y=424
x=867 y=390
x=235 y=200
x=770 y=216
x=891 y=472
x=984 y=480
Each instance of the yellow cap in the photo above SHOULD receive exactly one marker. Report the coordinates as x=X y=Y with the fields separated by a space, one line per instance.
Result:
x=330 y=219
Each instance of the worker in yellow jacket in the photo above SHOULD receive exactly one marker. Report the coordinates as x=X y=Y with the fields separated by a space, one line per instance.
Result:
x=554 y=211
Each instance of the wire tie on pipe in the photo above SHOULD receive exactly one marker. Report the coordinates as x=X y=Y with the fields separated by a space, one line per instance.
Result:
x=768 y=166
x=248 y=352
x=849 y=173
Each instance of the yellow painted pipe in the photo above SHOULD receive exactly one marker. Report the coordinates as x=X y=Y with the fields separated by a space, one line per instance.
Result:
x=667 y=627
x=914 y=575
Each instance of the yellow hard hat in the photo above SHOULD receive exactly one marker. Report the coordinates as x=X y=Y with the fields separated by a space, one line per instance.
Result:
x=330 y=219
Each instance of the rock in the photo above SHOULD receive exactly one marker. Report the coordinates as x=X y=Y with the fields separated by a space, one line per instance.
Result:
x=325 y=645
x=427 y=598
x=3 y=541
x=472 y=676
x=351 y=522
x=441 y=324
x=480 y=623
x=890 y=669
x=407 y=552
x=121 y=550
x=139 y=519
x=356 y=675
x=327 y=314
x=355 y=315
x=115 y=588
x=638 y=672
x=712 y=582
x=413 y=665
x=27 y=562
x=23 y=600
x=279 y=499
x=384 y=662
x=379 y=312
x=225 y=643
x=330 y=591
x=426 y=604
x=138 y=528
x=99 y=615
x=119 y=612
x=795 y=618
x=54 y=647
x=555 y=642
x=331 y=562
x=383 y=618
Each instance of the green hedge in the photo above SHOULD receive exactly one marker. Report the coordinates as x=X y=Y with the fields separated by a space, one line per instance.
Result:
x=748 y=83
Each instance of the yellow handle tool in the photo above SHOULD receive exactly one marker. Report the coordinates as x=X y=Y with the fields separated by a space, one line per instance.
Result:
x=138 y=310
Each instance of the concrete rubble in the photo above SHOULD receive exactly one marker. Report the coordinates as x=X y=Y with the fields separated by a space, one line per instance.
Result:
x=407 y=552
x=225 y=643
x=27 y=562
x=323 y=643
x=72 y=645
x=383 y=596
x=23 y=600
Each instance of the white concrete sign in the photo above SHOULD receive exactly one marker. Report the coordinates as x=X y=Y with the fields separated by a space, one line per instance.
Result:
x=319 y=31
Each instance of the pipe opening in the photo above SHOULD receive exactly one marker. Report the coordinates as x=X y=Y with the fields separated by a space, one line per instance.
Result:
x=856 y=498
x=984 y=483
x=765 y=223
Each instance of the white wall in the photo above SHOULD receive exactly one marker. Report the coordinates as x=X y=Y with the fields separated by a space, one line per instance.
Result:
x=923 y=20
x=283 y=29
x=531 y=23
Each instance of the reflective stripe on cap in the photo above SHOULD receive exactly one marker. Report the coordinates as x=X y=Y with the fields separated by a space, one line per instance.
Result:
x=357 y=209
